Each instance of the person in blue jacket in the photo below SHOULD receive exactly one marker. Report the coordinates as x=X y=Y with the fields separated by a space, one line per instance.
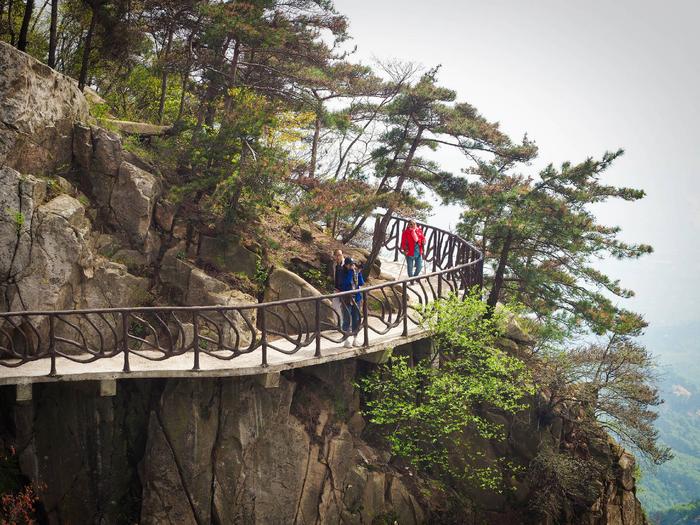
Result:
x=351 y=279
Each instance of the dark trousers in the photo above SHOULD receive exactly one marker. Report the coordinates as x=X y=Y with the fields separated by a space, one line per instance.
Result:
x=351 y=314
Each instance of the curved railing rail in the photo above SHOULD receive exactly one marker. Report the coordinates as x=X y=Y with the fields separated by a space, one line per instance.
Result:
x=226 y=332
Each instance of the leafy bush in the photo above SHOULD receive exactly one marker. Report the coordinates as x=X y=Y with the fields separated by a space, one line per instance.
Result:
x=317 y=279
x=427 y=411
x=262 y=273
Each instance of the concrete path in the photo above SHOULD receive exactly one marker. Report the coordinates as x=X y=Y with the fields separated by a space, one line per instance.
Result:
x=181 y=366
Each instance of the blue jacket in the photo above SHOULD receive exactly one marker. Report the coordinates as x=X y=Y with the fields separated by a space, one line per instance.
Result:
x=347 y=282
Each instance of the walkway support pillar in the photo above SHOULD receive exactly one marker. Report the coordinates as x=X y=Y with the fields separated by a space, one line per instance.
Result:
x=24 y=392
x=108 y=387
x=269 y=380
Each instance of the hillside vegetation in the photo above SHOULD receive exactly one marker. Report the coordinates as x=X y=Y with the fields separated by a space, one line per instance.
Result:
x=267 y=144
x=677 y=481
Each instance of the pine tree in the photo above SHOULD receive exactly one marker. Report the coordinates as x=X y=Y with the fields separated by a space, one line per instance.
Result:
x=541 y=239
x=425 y=116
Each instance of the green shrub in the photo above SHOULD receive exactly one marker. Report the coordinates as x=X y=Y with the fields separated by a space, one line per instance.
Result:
x=316 y=278
x=428 y=410
x=262 y=273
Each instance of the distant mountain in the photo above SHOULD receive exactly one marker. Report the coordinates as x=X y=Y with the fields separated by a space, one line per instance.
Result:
x=688 y=514
x=678 y=481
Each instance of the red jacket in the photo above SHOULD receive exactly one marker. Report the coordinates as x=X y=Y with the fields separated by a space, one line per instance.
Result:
x=409 y=239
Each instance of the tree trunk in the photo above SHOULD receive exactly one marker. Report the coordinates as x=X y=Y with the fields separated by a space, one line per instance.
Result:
x=53 y=33
x=380 y=187
x=38 y=16
x=186 y=76
x=495 y=293
x=314 y=145
x=228 y=99
x=349 y=236
x=380 y=233
x=10 y=25
x=334 y=225
x=215 y=83
x=86 y=51
x=24 y=30
x=181 y=109
x=164 y=76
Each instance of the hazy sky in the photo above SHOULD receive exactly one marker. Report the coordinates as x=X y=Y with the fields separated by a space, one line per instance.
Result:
x=580 y=77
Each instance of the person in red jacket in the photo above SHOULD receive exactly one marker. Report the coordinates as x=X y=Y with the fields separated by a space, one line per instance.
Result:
x=412 y=246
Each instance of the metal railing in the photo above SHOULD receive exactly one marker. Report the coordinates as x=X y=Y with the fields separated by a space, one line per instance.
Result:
x=226 y=332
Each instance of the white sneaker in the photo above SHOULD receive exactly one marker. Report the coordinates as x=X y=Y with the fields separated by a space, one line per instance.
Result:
x=354 y=342
x=347 y=344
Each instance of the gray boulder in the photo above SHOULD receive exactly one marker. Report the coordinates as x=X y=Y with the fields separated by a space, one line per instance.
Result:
x=297 y=317
x=18 y=200
x=189 y=285
x=132 y=201
x=38 y=108
x=107 y=151
x=59 y=257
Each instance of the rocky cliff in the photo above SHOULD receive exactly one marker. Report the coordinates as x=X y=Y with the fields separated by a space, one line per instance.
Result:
x=242 y=450
x=85 y=224
x=209 y=451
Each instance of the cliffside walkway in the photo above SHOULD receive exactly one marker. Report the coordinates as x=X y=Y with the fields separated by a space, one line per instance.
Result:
x=216 y=341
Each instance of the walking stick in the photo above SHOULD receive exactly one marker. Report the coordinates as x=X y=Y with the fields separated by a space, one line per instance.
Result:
x=401 y=270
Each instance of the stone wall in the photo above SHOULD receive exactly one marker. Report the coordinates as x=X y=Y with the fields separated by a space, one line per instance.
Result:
x=208 y=451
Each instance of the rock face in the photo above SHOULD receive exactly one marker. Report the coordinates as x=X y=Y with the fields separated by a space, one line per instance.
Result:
x=227 y=254
x=132 y=201
x=230 y=451
x=126 y=194
x=48 y=259
x=224 y=451
x=38 y=107
x=188 y=285
x=283 y=284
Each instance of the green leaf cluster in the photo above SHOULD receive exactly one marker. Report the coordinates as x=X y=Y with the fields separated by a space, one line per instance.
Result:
x=431 y=410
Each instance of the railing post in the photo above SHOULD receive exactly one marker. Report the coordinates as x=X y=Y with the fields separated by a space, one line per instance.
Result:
x=481 y=273
x=397 y=244
x=125 y=340
x=439 y=290
x=365 y=319
x=195 y=340
x=318 y=328
x=465 y=280
x=52 y=344
x=263 y=338
x=436 y=248
x=404 y=305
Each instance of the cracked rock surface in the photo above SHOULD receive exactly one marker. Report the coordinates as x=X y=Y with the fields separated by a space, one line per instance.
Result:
x=222 y=451
x=38 y=107
x=230 y=451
